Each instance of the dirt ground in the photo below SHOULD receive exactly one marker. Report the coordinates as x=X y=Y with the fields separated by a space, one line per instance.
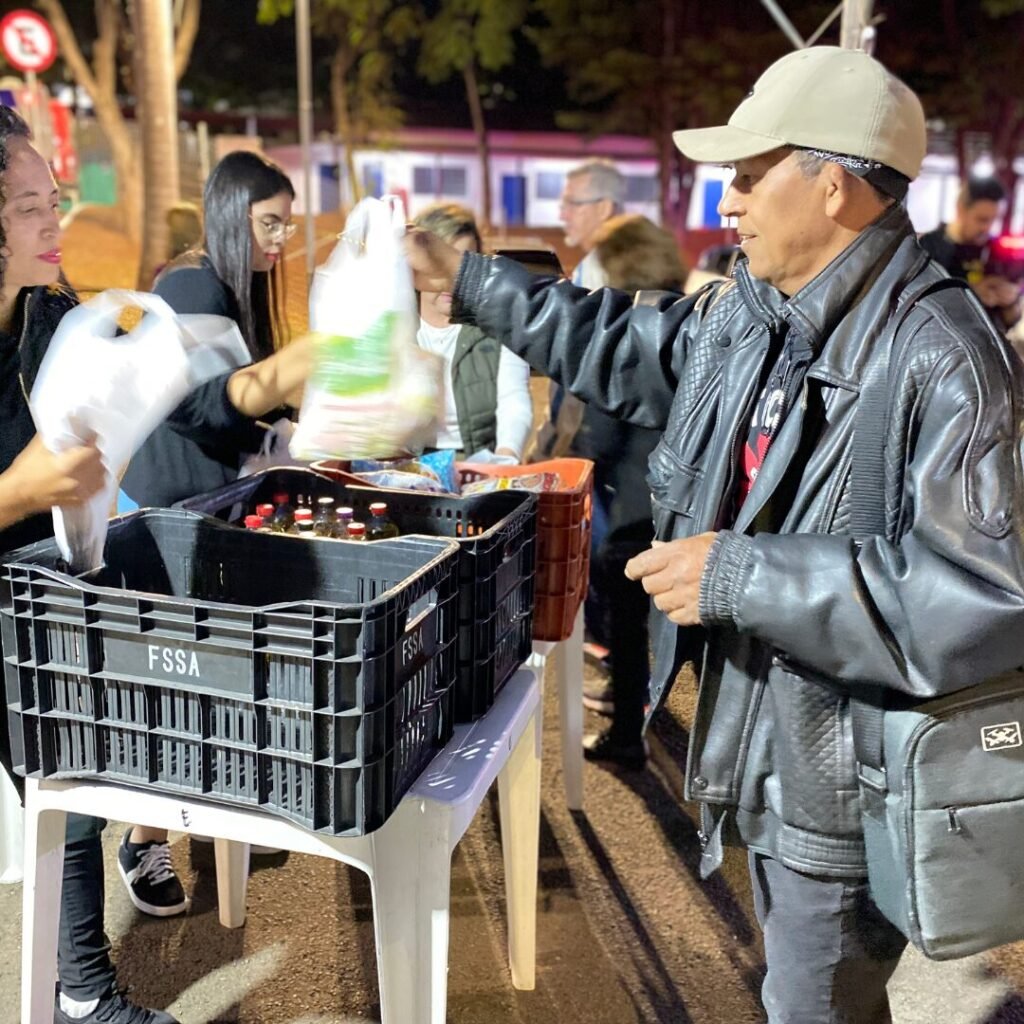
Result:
x=627 y=932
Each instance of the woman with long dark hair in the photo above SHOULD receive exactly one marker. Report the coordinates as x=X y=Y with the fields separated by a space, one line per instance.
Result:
x=238 y=274
x=33 y=299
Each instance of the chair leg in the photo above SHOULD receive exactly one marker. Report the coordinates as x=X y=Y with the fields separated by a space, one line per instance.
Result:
x=44 y=872
x=232 y=881
x=569 y=672
x=410 y=867
x=519 y=810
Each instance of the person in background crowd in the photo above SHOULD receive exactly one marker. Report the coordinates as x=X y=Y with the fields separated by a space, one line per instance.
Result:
x=185 y=231
x=488 y=413
x=637 y=256
x=201 y=446
x=593 y=192
x=33 y=299
x=754 y=384
x=961 y=246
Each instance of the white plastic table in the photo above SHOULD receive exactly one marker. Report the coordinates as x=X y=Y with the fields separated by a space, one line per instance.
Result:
x=568 y=661
x=12 y=831
x=408 y=858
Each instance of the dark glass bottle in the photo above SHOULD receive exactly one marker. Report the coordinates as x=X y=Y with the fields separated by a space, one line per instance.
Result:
x=283 y=519
x=380 y=526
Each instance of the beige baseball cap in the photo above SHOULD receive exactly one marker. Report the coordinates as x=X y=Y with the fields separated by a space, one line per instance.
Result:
x=821 y=98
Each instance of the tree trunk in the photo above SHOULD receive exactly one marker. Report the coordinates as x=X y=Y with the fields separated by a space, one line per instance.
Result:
x=154 y=35
x=673 y=217
x=100 y=82
x=340 y=63
x=476 y=113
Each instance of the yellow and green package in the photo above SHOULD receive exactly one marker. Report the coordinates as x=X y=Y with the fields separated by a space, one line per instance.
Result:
x=373 y=392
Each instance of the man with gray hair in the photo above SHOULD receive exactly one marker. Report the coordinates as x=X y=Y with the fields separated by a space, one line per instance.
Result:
x=755 y=384
x=593 y=192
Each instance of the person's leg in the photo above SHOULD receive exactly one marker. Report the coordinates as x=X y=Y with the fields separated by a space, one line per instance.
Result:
x=88 y=984
x=829 y=950
x=627 y=608
x=83 y=952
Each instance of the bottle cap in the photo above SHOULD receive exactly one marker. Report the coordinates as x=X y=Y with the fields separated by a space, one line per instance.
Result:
x=303 y=515
x=379 y=508
x=253 y=522
x=324 y=502
x=356 y=530
x=281 y=498
x=265 y=510
x=345 y=512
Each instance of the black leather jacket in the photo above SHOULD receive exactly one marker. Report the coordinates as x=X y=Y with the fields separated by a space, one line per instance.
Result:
x=795 y=619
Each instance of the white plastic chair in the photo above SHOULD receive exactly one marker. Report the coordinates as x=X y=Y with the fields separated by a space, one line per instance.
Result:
x=12 y=831
x=408 y=858
x=568 y=660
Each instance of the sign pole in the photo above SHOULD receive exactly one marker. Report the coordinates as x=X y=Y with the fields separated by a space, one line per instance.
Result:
x=305 y=69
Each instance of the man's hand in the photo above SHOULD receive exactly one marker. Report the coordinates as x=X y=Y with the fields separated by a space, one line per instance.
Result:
x=434 y=263
x=671 y=573
x=38 y=479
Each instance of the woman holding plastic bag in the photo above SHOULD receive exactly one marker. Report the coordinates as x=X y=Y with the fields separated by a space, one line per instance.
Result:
x=488 y=415
x=33 y=300
x=204 y=443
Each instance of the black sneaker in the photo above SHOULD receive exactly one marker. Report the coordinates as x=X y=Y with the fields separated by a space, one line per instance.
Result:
x=599 y=696
x=152 y=884
x=114 y=1009
x=603 y=746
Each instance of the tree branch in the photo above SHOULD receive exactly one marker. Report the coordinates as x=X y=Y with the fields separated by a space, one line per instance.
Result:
x=104 y=60
x=69 y=48
x=185 y=36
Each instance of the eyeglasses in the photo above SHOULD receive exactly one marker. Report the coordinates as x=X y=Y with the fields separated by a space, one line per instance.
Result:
x=581 y=202
x=275 y=231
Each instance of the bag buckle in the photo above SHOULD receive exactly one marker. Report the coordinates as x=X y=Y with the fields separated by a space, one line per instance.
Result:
x=873 y=778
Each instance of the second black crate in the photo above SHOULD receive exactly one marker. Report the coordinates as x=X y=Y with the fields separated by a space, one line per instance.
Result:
x=497 y=560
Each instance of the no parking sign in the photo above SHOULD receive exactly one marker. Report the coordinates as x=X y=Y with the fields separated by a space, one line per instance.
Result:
x=28 y=41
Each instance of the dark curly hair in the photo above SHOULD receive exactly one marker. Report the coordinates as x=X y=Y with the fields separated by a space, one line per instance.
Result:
x=12 y=126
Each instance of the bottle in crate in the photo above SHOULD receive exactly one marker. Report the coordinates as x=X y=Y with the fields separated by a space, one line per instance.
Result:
x=283 y=519
x=380 y=526
x=254 y=523
x=303 y=522
x=324 y=518
x=356 y=531
x=265 y=510
x=344 y=516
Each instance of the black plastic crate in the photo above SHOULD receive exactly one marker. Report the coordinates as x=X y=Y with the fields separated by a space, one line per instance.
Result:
x=247 y=667
x=497 y=539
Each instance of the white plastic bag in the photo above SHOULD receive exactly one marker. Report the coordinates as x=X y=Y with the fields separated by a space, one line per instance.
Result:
x=373 y=392
x=273 y=453
x=96 y=386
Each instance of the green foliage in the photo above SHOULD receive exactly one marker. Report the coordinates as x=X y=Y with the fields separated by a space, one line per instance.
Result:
x=368 y=36
x=481 y=33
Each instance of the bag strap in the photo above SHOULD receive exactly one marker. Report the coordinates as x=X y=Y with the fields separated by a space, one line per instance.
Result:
x=867 y=507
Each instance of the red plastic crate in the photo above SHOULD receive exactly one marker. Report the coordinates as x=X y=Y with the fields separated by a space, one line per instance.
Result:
x=563 y=540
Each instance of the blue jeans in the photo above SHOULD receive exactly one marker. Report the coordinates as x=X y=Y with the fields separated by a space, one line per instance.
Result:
x=83 y=952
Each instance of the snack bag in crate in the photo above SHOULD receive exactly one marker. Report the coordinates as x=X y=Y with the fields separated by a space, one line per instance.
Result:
x=373 y=392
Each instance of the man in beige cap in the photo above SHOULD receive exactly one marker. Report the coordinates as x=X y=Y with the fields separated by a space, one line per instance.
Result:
x=754 y=384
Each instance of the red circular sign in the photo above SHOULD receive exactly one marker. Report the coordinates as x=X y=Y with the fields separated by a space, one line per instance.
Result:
x=28 y=41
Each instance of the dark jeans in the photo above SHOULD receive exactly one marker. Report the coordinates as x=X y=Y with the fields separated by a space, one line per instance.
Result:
x=829 y=950
x=623 y=609
x=83 y=952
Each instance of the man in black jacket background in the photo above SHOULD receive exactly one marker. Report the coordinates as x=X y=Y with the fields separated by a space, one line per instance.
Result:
x=753 y=384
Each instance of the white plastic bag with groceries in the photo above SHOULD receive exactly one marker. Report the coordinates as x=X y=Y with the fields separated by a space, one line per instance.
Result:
x=97 y=386
x=373 y=392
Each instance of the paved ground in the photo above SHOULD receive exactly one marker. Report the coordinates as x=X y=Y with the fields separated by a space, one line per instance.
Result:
x=627 y=934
